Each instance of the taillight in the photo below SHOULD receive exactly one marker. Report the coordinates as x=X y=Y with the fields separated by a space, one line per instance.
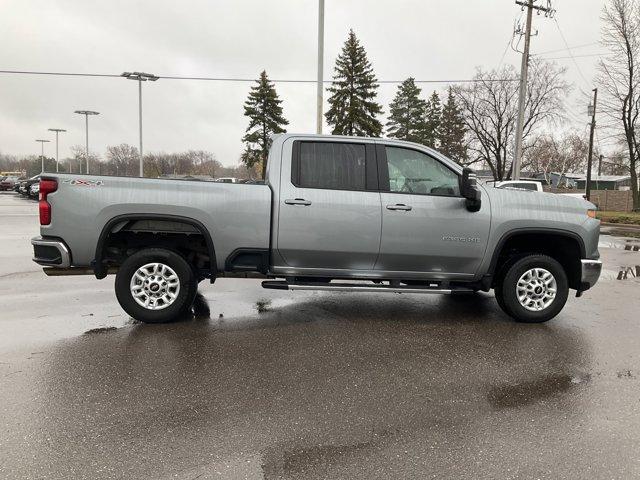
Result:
x=46 y=187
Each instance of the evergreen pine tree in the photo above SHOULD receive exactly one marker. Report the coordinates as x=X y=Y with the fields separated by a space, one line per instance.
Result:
x=406 y=113
x=352 y=105
x=432 y=120
x=265 y=118
x=453 y=130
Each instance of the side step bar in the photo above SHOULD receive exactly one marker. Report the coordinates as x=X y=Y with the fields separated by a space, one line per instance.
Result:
x=61 y=272
x=357 y=287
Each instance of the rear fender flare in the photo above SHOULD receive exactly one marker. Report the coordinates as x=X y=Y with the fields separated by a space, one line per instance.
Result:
x=99 y=269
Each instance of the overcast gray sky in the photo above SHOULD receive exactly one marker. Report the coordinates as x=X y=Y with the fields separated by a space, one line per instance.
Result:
x=427 y=39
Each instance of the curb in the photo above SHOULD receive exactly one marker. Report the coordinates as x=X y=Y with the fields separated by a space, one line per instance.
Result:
x=630 y=226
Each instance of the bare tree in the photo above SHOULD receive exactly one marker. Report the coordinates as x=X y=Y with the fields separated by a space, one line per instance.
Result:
x=203 y=163
x=490 y=107
x=122 y=160
x=616 y=163
x=619 y=76
x=551 y=154
x=78 y=159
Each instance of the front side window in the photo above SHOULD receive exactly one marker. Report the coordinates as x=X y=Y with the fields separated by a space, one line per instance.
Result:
x=415 y=172
x=330 y=165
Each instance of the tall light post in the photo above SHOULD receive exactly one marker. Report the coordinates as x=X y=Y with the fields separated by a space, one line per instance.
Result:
x=57 y=130
x=86 y=114
x=42 y=142
x=140 y=77
x=320 y=86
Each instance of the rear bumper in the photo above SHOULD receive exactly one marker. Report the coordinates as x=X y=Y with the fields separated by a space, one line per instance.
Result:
x=590 y=273
x=51 y=252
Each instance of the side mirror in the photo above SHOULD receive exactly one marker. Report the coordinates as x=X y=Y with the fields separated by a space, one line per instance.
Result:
x=470 y=190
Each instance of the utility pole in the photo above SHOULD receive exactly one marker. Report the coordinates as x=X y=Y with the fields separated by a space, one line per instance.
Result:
x=592 y=112
x=86 y=114
x=42 y=142
x=320 y=86
x=600 y=164
x=57 y=130
x=524 y=71
x=140 y=77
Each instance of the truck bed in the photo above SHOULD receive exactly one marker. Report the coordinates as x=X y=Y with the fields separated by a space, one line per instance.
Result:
x=236 y=215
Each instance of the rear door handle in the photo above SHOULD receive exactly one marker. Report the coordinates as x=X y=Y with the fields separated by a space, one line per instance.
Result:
x=399 y=206
x=297 y=201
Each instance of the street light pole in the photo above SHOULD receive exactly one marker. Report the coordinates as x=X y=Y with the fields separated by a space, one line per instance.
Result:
x=57 y=130
x=320 y=86
x=42 y=142
x=140 y=77
x=86 y=114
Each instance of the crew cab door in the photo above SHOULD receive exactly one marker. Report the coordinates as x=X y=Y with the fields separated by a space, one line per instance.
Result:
x=426 y=226
x=329 y=208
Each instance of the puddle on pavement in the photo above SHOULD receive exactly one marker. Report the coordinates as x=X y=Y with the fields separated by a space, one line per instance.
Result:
x=628 y=272
x=618 y=243
x=627 y=232
x=299 y=461
x=525 y=393
x=99 y=330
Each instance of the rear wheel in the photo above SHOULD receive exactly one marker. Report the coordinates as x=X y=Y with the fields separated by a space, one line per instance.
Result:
x=156 y=285
x=533 y=289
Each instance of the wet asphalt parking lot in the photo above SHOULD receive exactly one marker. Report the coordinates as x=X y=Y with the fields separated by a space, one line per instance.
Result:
x=320 y=385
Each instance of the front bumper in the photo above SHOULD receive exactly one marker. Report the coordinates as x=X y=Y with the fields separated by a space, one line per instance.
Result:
x=590 y=272
x=50 y=252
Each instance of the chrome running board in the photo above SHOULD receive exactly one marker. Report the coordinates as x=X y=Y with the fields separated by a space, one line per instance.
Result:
x=357 y=287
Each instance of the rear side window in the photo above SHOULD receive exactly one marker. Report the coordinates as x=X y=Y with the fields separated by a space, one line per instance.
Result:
x=329 y=165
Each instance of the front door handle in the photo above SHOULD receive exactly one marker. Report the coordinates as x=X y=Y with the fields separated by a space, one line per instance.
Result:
x=297 y=201
x=399 y=206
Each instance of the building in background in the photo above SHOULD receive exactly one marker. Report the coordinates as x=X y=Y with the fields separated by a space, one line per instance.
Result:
x=606 y=182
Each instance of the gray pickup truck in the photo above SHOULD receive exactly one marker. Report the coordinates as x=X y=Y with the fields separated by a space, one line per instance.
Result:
x=335 y=213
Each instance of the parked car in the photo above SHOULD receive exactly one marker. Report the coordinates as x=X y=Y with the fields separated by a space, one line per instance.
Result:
x=24 y=185
x=521 y=184
x=8 y=183
x=336 y=213
x=226 y=180
x=34 y=190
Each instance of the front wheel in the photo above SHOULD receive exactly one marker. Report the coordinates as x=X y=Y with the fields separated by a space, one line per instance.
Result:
x=534 y=289
x=155 y=285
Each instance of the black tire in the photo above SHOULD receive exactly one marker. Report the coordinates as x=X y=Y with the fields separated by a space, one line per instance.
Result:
x=506 y=289
x=502 y=271
x=178 y=307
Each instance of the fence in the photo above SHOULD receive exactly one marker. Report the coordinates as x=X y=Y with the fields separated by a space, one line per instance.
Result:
x=606 y=200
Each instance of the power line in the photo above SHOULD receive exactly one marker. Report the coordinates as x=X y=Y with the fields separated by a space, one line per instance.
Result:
x=23 y=72
x=504 y=53
x=237 y=79
x=568 y=48
x=511 y=38
x=572 y=56
x=555 y=19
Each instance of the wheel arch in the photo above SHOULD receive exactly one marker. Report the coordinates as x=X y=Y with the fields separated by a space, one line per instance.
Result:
x=532 y=240
x=100 y=270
